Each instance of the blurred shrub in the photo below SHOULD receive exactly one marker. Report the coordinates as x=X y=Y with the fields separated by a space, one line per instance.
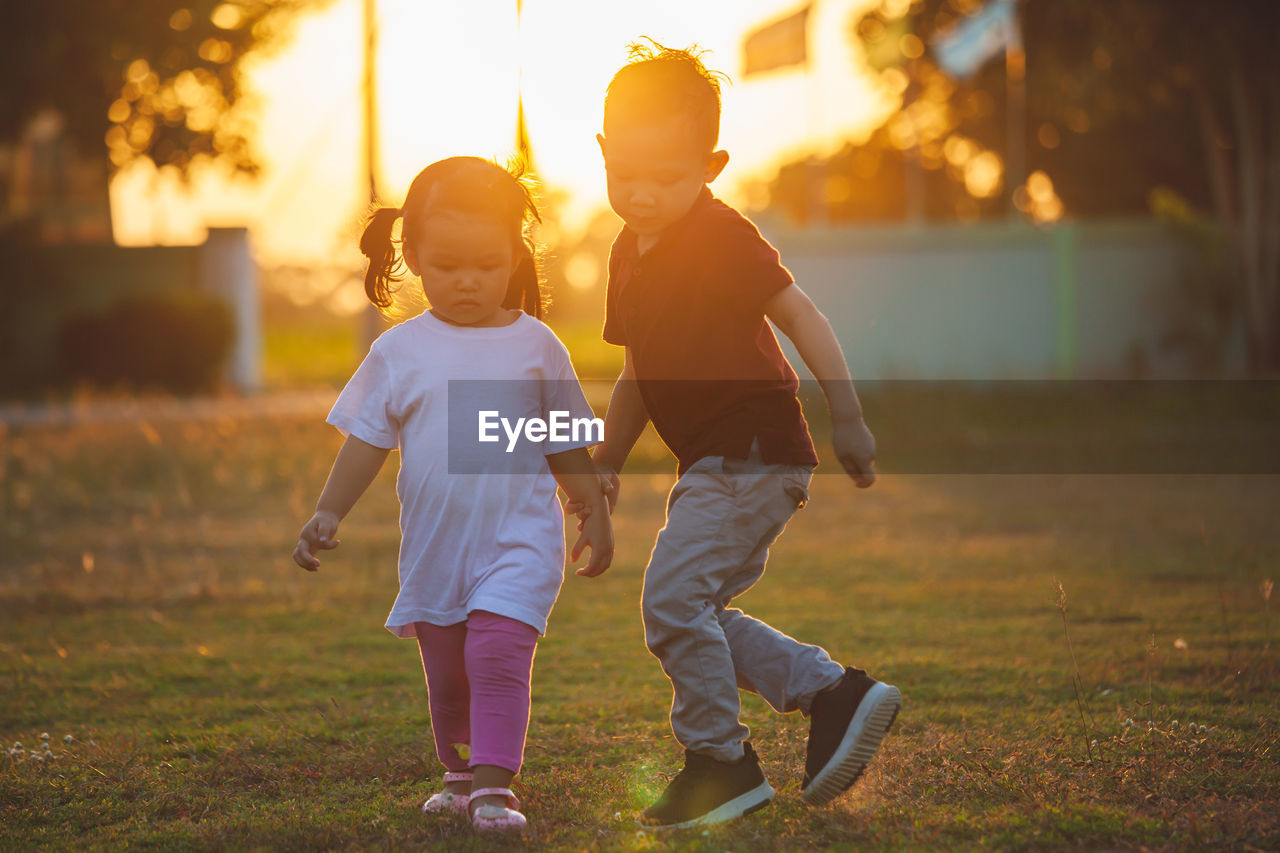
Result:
x=176 y=343
x=1206 y=304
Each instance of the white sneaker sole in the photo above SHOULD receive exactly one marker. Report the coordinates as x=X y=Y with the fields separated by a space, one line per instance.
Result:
x=740 y=806
x=866 y=732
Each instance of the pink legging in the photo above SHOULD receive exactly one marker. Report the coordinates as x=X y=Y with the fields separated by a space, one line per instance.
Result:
x=478 y=675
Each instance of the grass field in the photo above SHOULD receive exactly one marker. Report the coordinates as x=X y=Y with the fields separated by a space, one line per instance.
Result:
x=201 y=692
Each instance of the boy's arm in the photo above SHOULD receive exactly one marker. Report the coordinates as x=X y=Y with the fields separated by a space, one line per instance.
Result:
x=794 y=313
x=623 y=423
x=576 y=474
x=357 y=464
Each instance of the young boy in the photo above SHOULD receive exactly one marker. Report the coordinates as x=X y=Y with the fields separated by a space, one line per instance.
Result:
x=691 y=282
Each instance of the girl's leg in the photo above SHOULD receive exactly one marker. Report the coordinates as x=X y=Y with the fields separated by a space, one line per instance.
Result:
x=448 y=692
x=499 y=655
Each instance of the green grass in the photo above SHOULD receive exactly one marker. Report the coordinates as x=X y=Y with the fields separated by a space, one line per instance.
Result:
x=219 y=697
x=300 y=354
x=319 y=349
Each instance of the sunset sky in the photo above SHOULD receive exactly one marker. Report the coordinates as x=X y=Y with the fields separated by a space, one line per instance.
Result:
x=448 y=78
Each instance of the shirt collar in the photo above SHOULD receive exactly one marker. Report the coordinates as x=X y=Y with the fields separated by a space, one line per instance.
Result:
x=630 y=238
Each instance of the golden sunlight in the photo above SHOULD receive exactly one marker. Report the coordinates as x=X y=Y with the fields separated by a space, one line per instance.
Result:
x=449 y=76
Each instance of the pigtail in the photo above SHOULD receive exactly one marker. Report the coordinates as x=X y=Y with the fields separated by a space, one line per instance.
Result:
x=384 y=265
x=525 y=291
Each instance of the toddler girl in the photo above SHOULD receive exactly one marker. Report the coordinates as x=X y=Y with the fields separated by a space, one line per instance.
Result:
x=482 y=532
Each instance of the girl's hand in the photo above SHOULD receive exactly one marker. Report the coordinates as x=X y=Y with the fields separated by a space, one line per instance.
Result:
x=597 y=534
x=317 y=534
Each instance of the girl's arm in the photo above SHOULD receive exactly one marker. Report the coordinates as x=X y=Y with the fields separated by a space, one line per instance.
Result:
x=357 y=464
x=576 y=474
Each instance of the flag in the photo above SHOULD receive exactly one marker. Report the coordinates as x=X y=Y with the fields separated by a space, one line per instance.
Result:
x=966 y=47
x=779 y=44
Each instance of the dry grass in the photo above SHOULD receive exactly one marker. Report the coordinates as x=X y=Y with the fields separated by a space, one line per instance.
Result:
x=216 y=696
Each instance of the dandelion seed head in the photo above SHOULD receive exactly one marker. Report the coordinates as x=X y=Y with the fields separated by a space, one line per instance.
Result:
x=67 y=738
x=44 y=736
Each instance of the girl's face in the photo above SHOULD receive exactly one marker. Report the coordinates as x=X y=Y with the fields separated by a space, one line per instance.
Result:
x=465 y=262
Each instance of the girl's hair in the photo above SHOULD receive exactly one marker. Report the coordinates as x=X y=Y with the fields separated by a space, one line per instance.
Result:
x=465 y=185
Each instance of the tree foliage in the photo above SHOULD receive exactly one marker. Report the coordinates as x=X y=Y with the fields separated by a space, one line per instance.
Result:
x=156 y=79
x=1123 y=98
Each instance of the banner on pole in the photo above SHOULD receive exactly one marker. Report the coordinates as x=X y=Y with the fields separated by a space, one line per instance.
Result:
x=964 y=48
x=780 y=44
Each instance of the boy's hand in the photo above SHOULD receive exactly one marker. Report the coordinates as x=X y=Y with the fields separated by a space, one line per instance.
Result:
x=597 y=534
x=855 y=447
x=609 y=484
x=317 y=534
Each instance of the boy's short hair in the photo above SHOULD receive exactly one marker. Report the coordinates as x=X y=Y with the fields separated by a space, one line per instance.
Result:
x=661 y=82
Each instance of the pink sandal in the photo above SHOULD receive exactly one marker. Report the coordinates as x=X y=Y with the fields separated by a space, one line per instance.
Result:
x=447 y=801
x=494 y=819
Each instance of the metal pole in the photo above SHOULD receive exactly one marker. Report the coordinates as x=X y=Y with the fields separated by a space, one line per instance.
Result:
x=372 y=325
x=370 y=98
x=1015 y=65
x=523 y=148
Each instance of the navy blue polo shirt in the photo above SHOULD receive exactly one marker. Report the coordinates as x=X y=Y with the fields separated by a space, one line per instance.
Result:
x=708 y=367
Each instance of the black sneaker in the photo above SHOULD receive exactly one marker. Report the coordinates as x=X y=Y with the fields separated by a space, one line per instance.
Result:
x=707 y=791
x=847 y=723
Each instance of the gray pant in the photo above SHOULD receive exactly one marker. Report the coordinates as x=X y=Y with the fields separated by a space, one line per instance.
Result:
x=722 y=516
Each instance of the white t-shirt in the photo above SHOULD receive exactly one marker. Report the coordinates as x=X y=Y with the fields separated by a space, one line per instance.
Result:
x=481 y=528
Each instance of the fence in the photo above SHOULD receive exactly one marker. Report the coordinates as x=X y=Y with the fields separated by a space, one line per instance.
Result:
x=1001 y=301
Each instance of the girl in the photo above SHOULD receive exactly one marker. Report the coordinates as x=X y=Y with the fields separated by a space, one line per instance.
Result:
x=482 y=533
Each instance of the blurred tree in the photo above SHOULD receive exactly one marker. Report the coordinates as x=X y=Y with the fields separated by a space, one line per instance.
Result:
x=1122 y=97
x=1192 y=91
x=156 y=79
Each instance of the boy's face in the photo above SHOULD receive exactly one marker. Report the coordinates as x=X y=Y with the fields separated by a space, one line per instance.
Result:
x=655 y=171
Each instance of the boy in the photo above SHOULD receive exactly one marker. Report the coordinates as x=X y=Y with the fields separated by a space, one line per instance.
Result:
x=691 y=282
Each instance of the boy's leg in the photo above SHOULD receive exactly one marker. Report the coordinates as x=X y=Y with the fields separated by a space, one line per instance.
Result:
x=691 y=560
x=722 y=517
x=783 y=671
x=850 y=712
x=775 y=666
x=715 y=523
x=448 y=693
x=499 y=656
